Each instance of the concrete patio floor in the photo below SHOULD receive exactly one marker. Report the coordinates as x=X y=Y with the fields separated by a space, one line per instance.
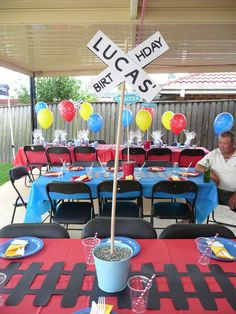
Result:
x=8 y=196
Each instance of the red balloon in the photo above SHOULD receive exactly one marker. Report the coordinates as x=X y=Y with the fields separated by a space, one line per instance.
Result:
x=150 y=109
x=178 y=123
x=67 y=110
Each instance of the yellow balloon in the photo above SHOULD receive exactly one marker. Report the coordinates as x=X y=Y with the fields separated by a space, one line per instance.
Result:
x=143 y=120
x=85 y=110
x=45 y=118
x=165 y=119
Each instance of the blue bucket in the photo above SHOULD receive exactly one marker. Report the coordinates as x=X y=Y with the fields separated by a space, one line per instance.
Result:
x=112 y=275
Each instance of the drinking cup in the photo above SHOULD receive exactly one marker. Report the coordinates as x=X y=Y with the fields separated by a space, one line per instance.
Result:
x=3 y=279
x=147 y=144
x=204 y=250
x=89 y=244
x=128 y=168
x=139 y=290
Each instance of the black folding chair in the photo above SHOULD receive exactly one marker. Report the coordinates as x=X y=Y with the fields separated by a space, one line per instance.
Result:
x=159 y=154
x=71 y=203
x=39 y=230
x=158 y=163
x=192 y=231
x=36 y=157
x=129 y=198
x=190 y=155
x=85 y=153
x=15 y=174
x=135 y=228
x=95 y=164
x=111 y=163
x=57 y=155
x=180 y=209
x=137 y=154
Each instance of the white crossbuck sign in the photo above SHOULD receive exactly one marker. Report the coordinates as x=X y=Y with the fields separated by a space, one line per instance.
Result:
x=127 y=67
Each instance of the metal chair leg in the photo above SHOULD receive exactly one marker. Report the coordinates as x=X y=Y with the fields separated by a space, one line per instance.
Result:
x=219 y=222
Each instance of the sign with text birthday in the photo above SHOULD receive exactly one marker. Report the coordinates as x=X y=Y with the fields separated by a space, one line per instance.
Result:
x=127 y=67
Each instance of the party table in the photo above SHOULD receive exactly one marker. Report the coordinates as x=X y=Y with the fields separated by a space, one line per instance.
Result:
x=105 y=152
x=57 y=280
x=38 y=203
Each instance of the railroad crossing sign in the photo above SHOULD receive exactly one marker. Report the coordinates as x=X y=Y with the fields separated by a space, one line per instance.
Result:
x=127 y=67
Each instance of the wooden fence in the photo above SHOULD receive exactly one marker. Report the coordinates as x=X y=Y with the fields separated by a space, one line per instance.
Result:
x=200 y=117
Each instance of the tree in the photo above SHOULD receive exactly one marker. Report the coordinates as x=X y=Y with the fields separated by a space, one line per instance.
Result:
x=23 y=95
x=55 y=89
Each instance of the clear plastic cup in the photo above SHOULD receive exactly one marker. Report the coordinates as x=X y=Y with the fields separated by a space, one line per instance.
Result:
x=139 y=290
x=89 y=244
x=204 y=250
x=3 y=279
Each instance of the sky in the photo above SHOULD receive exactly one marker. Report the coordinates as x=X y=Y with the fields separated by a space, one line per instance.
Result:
x=15 y=80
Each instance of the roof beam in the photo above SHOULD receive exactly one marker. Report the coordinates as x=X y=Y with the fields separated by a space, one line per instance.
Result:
x=133 y=9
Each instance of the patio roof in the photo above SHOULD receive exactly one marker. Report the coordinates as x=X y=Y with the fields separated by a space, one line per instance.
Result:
x=46 y=38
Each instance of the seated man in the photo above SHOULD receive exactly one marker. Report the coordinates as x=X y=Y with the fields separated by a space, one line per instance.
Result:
x=223 y=168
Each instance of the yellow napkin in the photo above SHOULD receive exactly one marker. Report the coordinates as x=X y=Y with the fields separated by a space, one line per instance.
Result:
x=81 y=178
x=130 y=177
x=16 y=248
x=175 y=178
x=108 y=308
x=54 y=174
x=220 y=251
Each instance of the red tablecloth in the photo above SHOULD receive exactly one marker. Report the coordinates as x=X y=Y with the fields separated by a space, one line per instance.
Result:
x=105 y=152
x=160 y=253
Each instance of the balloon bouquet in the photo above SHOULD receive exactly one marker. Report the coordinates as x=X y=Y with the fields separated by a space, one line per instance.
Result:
x=44 y=115
x=223 y=122
x=175 y=122
x=94 y=120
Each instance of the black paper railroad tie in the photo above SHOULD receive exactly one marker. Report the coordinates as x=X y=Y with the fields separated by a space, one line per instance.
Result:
x=228 y=289
x=49 y=284
x=154 y=301
x=178 y=295
x=73 y=291
x=202 y=290
x=23 y=286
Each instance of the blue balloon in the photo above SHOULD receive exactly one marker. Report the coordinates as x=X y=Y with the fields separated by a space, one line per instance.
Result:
x=95 y=122
x=40 y=105
x=223 y=122
x=127 y=117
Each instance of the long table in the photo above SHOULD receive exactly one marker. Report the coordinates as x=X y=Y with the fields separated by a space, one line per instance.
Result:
x=105 y=152
x=56 y=280
x=38 y=203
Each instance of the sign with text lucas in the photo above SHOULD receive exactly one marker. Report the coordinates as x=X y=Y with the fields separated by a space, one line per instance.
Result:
x=127 y=67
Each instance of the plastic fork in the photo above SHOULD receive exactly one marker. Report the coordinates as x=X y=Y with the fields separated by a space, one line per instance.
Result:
x=101 y=305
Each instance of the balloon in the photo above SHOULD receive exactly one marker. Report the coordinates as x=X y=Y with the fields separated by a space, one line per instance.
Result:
x=143 y=120
x=85 y=110
x=165 y=119
x=67 y=110
x=150 y=109
x=127 y=117
x=95 y=122
x=223 y=122
x=178 y=123
x=40 y=105
x=45 y=118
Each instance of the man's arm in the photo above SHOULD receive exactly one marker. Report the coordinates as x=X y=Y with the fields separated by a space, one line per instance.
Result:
x=214 y=177
x=232 y=201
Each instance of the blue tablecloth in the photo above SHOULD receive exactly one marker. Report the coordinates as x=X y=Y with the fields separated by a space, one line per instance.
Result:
x=38 y=203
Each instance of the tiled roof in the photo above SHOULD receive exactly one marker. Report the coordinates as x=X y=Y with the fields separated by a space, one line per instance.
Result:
x=204 y=81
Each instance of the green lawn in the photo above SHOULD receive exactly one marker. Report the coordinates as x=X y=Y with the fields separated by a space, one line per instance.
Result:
x=4 y=172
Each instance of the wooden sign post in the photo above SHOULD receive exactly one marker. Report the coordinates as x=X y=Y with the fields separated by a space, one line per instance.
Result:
x=127 y=68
